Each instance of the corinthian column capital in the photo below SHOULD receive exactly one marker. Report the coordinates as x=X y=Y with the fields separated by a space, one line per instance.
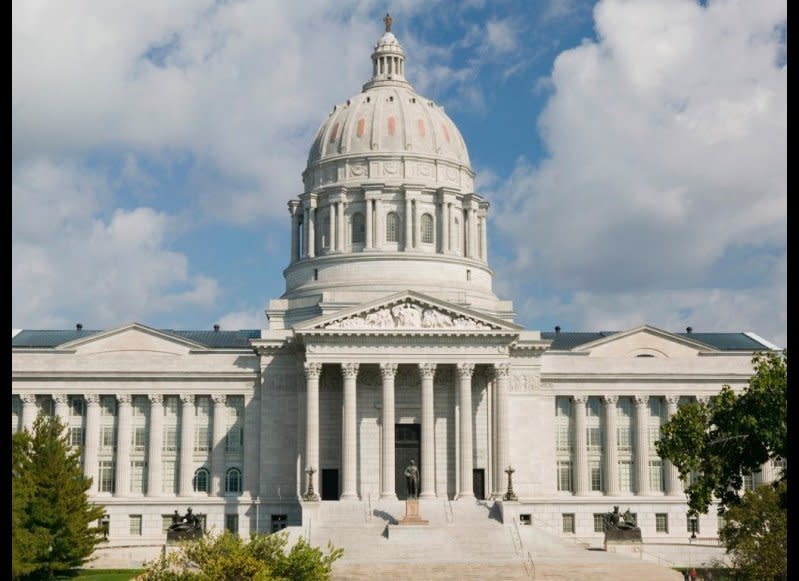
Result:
x=427 y=370
x=313 y=369
x=465 y=369
x=350 y=369
x=388 y=370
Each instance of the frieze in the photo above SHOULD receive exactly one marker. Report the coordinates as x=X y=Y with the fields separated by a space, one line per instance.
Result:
x=524 y=383
x=409 y=315
x=358 y=170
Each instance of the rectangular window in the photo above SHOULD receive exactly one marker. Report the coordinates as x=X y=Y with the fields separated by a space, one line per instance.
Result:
x=568 y=523
x=169 y=480
x=75 y=436
x=234 y=439
x=138 y=470
x=599 y=522
x=749 y=481
x=108 y=438
x=135 y=525
x=170 y=438
x=692 y=525
x=141 y=404
x=525 y=519
x=139 y=438
x=661 y=522
x=76 y=406
x=594 y=437
x=656 y=475
x=105 y=477
x=108 y=405
x=232 y=523
x=624 y=435
x=595 y=468
x=45 y=405
x=625 y=475
x=171 y=406
x=722 y=522
x=166 y=522
x=202 y=439
x=564 y=475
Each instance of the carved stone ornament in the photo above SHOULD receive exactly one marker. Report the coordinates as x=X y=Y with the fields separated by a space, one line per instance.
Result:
x=219 y=398
x=672 y=399
x=501 y=370
x=92 y=399
x=702 y=399
x=409 y=315
x=28 y=398
x=123 y=398
x=524 y=383
x=313 y=369
x=427 y=370
x=580 y=399
x=610 y=399
x=641 y=399
x=388 y=370
x=61 y=399
x=187 y=398
x=156 y=399
x=350 y=369
x=465 y=369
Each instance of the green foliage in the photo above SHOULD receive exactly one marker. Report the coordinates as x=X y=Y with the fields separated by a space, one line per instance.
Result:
x=730 y=436
x=756 y=533
x=52 y=520
x=227 y=557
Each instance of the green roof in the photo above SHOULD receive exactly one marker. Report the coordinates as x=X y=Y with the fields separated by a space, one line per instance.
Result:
x=48 y=339
x=567 y=340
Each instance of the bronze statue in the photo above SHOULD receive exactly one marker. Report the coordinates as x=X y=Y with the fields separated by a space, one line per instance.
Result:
x=189 y=522
x=616 y=521
x=412 y=479
x=387 y=20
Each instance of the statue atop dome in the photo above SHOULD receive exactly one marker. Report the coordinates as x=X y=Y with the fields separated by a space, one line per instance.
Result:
x=387 y=20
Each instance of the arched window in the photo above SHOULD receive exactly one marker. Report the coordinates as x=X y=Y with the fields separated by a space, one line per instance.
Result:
x=233 y=480
x=392 y=227
x=200 y=480
x=358 y=229
x=427 y=229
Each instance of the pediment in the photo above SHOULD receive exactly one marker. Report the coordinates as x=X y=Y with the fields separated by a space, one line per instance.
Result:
x=644 y=341
x=407 y=312
x=133 y=337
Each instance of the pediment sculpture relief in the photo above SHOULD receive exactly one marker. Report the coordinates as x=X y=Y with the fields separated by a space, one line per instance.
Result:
x=409 y=315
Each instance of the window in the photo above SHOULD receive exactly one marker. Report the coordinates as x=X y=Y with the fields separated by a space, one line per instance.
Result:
x=138 y=470
x=108 y=405
x=233 y=481
x=202 y=439
x=358 y=228
x=105 y=477
x=568 y=523
x=595 y=470
x=166 y=522
x=16 y=413
x=427 y=229
x=692 y=524
x=139 y=438
x=75 y=436
x=625 y=476
x=392 y=227
x=202 y=426
x=76 y=406
x=140 y=405
x=749 y=481
x=108 y=438
x=170 y=438
x=656 y=475
x=169 y=481
x=563 y=424
x=599 y=522
x=45 y=405
x=234 y=439
x=279 y=522
x=661 y=522
x=565 y=475
x=525 y=519
x=200 y=480
x=135 y=525
x=232 y=523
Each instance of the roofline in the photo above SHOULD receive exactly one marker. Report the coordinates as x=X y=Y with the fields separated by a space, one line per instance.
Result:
x=762 y=341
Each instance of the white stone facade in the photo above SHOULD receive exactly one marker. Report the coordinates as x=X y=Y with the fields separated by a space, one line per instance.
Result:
x=388 y=319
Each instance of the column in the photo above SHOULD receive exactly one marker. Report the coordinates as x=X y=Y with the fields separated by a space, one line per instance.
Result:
x=313 y=370
x=218 y=429
x=92 y=439
x=380 y=235
x=611 y=446
x=428 y=489
x=581 y=485
x=305 y=232
x=349 y=433
x=311 y=232
x=295 y=226
x=340 y=225
x=484 y=234
x=369 y=230
x=501 y=456
x=767 y=473
x=465 y=372
x=28 y=410
x=122 y=464
x=331 y=215
x=641 y=445
x=672 y=476
x=186 y=444
x=388 y=486
x=408 y=224
x=155 y=445
x=62 y=407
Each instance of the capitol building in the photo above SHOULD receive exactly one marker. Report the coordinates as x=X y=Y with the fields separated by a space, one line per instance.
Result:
x=388 y=344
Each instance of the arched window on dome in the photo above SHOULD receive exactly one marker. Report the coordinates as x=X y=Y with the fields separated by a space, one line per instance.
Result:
x=233 y=481
x=200 y=480
x=427 y=229
x=358 y=229
x=392 y=227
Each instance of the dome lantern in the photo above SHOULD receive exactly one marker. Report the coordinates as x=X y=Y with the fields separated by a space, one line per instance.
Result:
x=388 y=60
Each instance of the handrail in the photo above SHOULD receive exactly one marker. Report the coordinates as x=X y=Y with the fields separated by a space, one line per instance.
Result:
x=530 y=572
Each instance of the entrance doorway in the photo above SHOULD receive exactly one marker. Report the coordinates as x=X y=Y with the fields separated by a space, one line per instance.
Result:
x=407 y=447
x=479 y=483
x=329 y=483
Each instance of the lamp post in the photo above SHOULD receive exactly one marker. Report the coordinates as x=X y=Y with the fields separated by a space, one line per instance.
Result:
x=310 y=494
x=510 y=495
x=692 y=520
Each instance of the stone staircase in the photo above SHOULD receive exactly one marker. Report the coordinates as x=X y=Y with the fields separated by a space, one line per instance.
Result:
x=463 y=540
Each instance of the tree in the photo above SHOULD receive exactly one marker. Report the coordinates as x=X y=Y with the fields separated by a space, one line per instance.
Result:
x=53 y=524
x=756 y=533
x=227 y=557
x=718 y=442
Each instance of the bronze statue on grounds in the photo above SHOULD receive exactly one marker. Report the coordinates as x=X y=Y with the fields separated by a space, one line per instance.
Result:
x=619 y=522
x=184 y=527
x=412 y=479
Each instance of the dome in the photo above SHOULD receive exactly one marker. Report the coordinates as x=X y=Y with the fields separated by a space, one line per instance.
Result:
x=387 y=119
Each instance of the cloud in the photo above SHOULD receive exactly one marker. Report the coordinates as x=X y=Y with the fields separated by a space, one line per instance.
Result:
x=73 y=259
x=667 y=158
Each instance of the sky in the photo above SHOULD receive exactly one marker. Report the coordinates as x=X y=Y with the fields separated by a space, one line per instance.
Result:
x=634 y=153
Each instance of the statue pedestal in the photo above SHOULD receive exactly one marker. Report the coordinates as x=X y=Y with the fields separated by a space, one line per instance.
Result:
x=175 y=537
x=412 y=513
x=624 y=541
